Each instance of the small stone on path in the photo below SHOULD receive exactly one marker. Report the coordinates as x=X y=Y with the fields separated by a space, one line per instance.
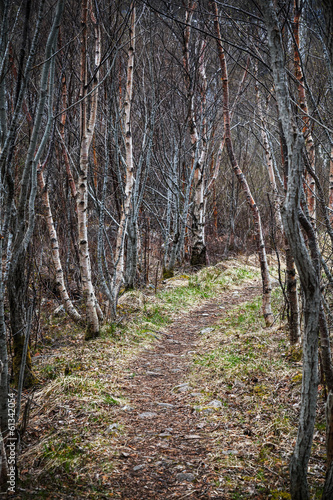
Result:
x=154 y=374
x=112 y=428
x=147 y=414
x=138 y=467
x=185 y=476
x=127 y=408
x=206 y=330
x=215 y=404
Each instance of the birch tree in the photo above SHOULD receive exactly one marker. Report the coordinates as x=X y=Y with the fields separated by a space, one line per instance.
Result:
x=113 y=283
x=267 y=288
x=88 y=122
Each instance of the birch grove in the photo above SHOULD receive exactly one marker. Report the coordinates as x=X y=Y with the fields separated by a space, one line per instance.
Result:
x=142 y=141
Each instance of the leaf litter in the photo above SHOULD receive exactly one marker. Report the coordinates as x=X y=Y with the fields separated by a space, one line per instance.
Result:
x=218 y=418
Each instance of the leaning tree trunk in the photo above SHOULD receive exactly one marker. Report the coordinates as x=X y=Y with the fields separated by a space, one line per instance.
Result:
x=267 y=287
x=55 y=255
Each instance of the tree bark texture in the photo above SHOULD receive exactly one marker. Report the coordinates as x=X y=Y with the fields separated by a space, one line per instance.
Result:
x=25 y=216
x=87 y=130
x=266 y=281
x=198 y=141
x=307 y=269
x=310 y=185
x=55 y=255
x=119 y=269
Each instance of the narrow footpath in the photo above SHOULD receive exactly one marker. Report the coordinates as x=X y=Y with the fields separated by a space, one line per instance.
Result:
x=166 y=441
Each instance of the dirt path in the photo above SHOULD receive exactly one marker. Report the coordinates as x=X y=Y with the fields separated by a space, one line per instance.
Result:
x=164 y=454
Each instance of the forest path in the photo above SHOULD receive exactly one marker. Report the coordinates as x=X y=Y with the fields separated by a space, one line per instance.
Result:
x=163 y=453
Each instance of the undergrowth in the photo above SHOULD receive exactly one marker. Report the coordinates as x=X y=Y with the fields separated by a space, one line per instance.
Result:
x=74 y=433
x=248 y=368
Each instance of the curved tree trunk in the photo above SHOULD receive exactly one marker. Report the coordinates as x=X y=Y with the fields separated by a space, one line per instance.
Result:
x=267 y=287
x=60 y=280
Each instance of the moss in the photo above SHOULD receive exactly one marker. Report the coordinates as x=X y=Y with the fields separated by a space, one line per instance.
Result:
x=167 y=273
x=280 y=495
x=297 y=379
x=295 y=353
x=90 y=333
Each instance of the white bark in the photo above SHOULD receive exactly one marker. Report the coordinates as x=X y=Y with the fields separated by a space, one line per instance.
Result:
x=60 y=281
x=118 y=277
x=87 y=131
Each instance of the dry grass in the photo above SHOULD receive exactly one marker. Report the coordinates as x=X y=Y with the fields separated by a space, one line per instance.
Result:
x=256 y=376
x=74 y=434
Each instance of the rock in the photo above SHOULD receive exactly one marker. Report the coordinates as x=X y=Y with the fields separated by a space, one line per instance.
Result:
x=206 y=330
x=138 y=467
x=185 y=476
x=127 y=408
x=112 y=428
x=182 y=387
x=165 y=405
x=215 y=404
x=132 y=301
x=147 y=414
x=154 y=374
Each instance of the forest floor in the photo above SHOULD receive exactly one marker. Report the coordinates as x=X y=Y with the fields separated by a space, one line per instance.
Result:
x=189 y=396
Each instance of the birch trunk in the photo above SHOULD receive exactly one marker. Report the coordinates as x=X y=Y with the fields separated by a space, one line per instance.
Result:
x=118 y=277
x=267 y=287
x=60 y=281
x=198 y=246
x=87 y=131
x=330 y=202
